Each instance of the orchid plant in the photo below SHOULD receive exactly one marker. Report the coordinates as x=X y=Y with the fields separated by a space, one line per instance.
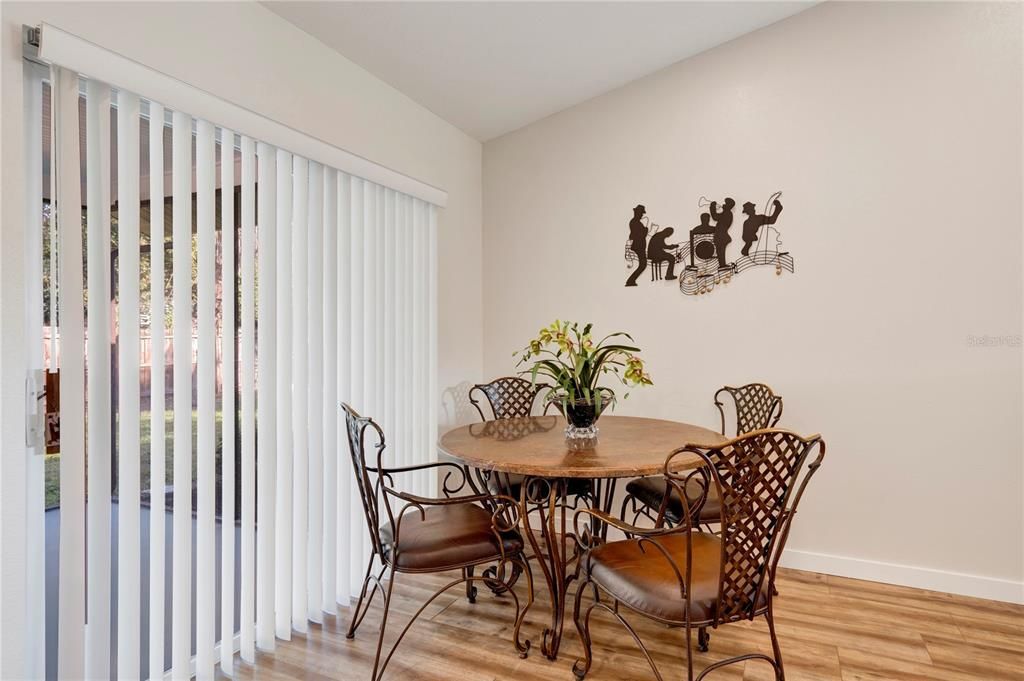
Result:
x=565 y=353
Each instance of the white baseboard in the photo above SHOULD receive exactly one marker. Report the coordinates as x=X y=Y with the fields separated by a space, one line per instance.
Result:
x=906 y=575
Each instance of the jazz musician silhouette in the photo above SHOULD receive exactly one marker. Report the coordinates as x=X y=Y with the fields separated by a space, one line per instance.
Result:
x=719 y=232
x=754 y=222
x=658 y=251
x=638 y=243
x=723 y=218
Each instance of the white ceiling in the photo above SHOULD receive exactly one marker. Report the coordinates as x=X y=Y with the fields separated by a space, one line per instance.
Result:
x=492 y=67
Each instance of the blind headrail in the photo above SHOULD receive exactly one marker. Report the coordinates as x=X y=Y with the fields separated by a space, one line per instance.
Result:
x=58 y=47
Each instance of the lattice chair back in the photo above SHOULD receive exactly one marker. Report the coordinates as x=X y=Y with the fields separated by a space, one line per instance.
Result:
x=760 y=478
x=509 y=397
x=755 y=405
x=369 y=492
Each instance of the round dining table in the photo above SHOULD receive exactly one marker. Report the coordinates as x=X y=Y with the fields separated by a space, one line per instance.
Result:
x=533 y=456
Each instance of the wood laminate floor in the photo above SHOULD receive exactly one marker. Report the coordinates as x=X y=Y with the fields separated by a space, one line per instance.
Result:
x=830 y=628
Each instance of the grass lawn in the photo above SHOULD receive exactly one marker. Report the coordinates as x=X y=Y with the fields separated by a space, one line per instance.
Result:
x=52 y=464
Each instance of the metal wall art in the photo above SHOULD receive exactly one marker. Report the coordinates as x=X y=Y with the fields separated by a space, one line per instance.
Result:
x=699 y=260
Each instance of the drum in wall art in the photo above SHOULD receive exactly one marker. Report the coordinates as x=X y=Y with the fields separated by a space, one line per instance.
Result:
x=700 y=258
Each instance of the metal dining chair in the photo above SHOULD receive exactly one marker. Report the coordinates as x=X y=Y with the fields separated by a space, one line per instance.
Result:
x=414 y=534
x=754 y=406
x=689 y=579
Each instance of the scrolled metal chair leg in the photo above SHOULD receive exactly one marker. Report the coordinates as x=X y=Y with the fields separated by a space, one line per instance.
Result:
x=357 y=616
x=354 y=623
x=379 y=667
x=521 y=566
x=738 y=660
x=780 y=672
x=632 y=632
x=703 y=639
x=467 y=573
x=582 y=666
x=493 y=579
x=689 y=650
x=383 y=629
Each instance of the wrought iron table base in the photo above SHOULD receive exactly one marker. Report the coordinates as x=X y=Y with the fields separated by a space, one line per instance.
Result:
x=548 y=497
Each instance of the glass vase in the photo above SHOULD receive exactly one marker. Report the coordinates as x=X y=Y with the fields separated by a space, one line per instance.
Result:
x=581 y=417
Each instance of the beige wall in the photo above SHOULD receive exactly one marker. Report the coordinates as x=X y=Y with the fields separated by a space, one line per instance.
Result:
x=894 y=131
x=251 y=57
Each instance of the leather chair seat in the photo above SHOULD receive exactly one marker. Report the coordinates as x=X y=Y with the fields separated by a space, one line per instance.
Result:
x=511 y=484
x=447 y=537
x=651 y=491
x=645 y=581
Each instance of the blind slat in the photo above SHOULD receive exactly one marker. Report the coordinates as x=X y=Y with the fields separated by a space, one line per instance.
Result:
x=402 y=433
x=369 y=324
x=267 y=392
x=418 y=340
x=387 y=325
x=157 y=426
x=206 y=215
x=97 y=634
x=380 y=410
x=314 y=345
x=328 y=482
x=433 y=396
x=248 y=399
x=283 y=566
x=34 y=632
x=71 y=586
x=358 y=556
x=228 y=473
x=129 y=611
x=368 y=406
x=181 y=570
x=344 y=479
x=300 y=359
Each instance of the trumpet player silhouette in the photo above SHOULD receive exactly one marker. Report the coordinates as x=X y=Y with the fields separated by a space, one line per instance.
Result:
x=723 y=218
x=754 y=222
x=658 y=251
x=638 y=243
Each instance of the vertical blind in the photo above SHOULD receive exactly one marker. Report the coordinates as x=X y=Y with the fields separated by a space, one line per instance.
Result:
x=282 y=288
x=37 y=226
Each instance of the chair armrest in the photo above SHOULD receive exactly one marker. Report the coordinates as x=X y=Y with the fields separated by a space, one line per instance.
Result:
x=417 y=467
x=437 y=501
x=496 y=503
x=463 y=480
x=630 y=530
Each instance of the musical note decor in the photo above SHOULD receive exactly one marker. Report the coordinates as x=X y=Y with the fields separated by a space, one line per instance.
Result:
x=701 y=262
